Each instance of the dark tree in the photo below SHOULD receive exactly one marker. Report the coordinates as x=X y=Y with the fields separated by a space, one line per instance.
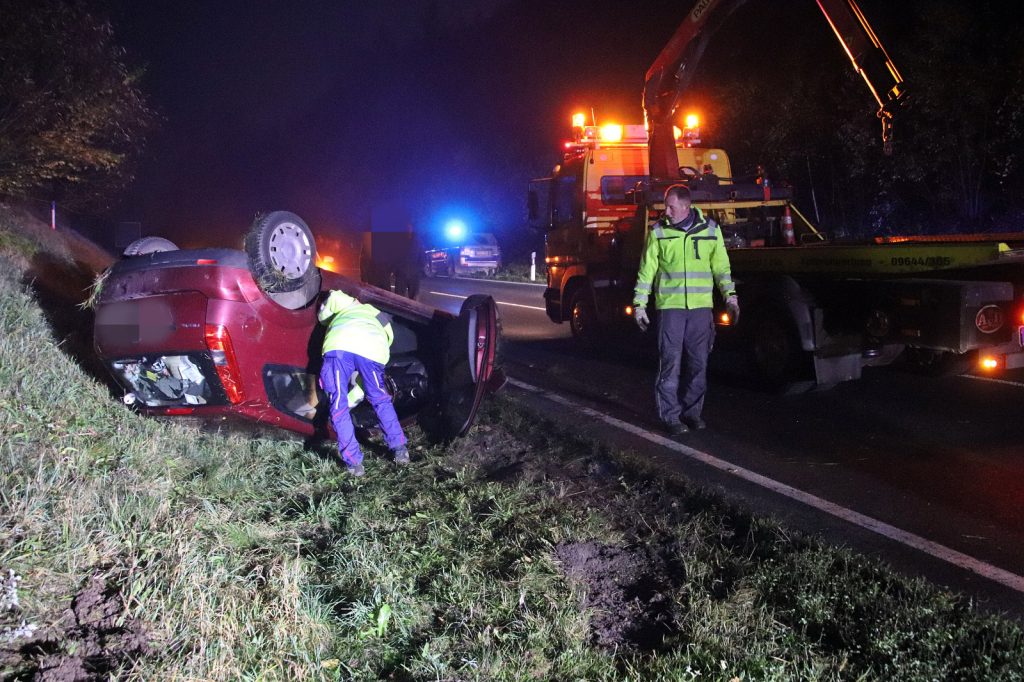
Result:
x=800 y=110
x=72 y=117
x=964 y=131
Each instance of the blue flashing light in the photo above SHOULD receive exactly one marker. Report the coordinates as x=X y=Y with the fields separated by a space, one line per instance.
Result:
x=455 y=230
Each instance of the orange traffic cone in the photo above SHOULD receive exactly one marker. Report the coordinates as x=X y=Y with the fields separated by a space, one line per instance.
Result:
x=787 y=228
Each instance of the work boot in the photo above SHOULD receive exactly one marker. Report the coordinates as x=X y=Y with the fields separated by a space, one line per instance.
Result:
x=356 y=470
x=695 y=423
x=676 y=429
x=402 y=456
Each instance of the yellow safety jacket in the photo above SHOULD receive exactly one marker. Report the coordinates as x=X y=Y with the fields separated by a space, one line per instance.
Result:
x=355 y=327
x=682 y=267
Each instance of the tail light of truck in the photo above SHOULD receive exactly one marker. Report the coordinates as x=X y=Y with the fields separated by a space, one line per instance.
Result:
x=992 y=363
x=219 y=342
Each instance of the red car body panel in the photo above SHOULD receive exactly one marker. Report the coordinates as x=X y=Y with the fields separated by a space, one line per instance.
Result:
x=157 y=309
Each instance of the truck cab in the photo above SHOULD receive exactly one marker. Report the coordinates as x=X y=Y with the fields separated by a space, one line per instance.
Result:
x=813 y=311
x=594 y=213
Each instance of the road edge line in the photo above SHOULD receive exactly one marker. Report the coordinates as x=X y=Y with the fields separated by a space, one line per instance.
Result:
x=934 y=549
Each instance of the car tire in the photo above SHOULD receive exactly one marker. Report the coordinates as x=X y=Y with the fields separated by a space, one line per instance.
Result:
x=146 y=245
x=282 y=252
x=299 y=298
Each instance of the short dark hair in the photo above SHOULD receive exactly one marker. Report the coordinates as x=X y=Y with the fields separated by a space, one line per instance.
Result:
x=680 y=192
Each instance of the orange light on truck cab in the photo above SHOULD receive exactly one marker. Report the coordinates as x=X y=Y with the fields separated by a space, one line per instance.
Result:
x=579 y=120
x=692 y=120
x=611 y=132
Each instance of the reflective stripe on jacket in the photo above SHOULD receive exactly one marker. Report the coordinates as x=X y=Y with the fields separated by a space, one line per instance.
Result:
x=355 y=327
x=682 y=267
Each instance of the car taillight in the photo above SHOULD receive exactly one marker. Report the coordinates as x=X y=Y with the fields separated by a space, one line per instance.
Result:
x=219 y=342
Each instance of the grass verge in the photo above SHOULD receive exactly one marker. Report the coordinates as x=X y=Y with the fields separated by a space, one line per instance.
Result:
x=137 y=549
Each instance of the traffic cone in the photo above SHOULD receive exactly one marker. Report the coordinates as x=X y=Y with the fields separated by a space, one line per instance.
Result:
x=787 y=228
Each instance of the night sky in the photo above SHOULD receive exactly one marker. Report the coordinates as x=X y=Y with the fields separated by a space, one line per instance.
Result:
x=444 y=108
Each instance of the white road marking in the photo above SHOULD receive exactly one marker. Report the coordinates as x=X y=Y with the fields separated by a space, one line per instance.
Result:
x=520 y=305
x=517 y=305
x=1007 y=382
x=969 y=563
x=500 y=281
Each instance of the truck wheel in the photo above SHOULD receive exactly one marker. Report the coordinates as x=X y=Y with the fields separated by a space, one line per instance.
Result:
x=936 y=363
x=583 y=317
x=282 y=252
x=140 y=247
x=427 y=271
x=775 y=349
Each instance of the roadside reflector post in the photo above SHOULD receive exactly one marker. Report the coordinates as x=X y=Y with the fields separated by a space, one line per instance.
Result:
x=533 y=266
x=53 y=215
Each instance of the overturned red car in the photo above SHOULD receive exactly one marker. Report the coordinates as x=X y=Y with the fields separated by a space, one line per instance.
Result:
x=226 y=335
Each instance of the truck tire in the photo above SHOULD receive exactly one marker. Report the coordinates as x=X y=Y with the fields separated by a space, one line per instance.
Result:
x=936 y=363
x=141 y=247
x=583 y=320
x=282 y=252
x=776 y=355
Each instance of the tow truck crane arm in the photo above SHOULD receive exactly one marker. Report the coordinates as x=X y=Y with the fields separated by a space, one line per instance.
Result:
x=869 y=59
x=672 y=71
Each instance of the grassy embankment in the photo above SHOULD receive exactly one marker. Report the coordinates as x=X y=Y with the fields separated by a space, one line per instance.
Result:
x=152 y=551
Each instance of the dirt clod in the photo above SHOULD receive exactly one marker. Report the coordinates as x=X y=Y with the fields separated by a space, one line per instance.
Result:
x=91 y=640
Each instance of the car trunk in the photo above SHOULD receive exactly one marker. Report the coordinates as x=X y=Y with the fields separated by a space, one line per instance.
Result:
x=156 y=349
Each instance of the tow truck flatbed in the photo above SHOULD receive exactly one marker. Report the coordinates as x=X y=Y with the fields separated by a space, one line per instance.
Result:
x=871 y=260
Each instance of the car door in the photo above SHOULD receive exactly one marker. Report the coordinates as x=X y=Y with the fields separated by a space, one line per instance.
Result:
x=469 y=370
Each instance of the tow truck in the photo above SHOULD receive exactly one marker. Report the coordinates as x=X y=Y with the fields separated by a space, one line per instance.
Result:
x=814 y=312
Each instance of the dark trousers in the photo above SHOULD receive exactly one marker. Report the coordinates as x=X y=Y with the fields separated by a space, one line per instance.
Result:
x=685 y=338
x=334 y=377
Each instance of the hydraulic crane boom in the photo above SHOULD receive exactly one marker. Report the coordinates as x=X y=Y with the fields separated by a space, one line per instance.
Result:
x=869 y=59
x=672 y=71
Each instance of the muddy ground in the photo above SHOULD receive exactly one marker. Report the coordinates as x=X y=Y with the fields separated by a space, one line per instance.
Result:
x=626 y=586
x=91 y=639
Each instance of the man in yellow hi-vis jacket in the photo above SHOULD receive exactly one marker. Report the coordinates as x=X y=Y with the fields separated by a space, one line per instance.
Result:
x=684 y=259
x=359 y=340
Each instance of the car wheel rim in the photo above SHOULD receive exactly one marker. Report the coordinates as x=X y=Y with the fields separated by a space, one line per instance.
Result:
x=290 y=250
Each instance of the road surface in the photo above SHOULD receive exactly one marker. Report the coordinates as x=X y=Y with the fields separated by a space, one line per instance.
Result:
x=928 y=472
